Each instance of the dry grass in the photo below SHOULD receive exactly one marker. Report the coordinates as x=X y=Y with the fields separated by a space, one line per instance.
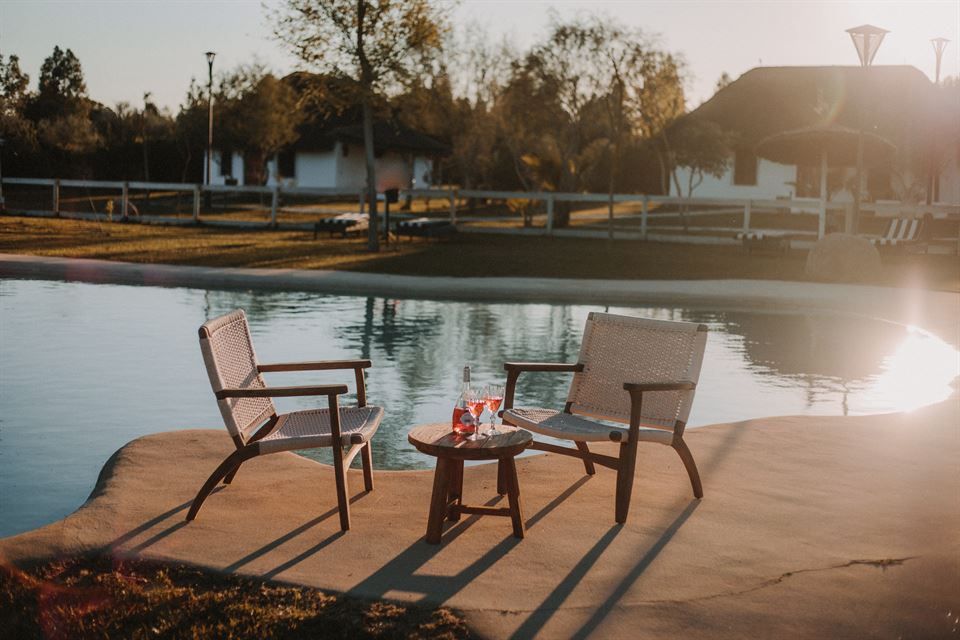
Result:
x=101 y=597
x=463 y=255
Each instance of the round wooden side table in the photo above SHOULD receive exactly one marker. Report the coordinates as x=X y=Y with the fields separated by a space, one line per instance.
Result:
x=450 y=451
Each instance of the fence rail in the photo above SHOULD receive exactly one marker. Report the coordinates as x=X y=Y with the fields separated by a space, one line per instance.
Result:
x=457 y=205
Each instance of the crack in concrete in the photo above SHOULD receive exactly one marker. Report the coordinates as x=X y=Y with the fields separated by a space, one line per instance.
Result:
x=882 y=563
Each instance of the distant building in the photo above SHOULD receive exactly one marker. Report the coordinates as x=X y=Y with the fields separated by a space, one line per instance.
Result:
x=898 y=102
x=334 y=157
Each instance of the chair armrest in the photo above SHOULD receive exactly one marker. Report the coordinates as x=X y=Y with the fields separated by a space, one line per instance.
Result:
x=318 y=365
x=542 y=366
x=283 y=392
x=685 y=385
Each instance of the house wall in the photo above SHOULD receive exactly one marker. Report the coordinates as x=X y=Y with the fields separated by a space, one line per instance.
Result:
x=236 y=164
x=772 y=179
x=422 y=172
x=315 y=168
x=950 y=183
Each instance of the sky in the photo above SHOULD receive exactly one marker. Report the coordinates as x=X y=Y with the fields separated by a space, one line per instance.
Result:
x=129 y=48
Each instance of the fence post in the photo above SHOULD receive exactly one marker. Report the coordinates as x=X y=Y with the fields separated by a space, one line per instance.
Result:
x=746 y=215
x=56 y=197
x=550 y=214
x=196 y=204
x=363 y=202
x=821 y=220
x=274 y=202
x=453 y=207
x=124 y=200
x=644 y=213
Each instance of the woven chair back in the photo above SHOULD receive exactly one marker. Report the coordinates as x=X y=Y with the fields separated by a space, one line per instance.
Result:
x=232 y=364
x=618 y=349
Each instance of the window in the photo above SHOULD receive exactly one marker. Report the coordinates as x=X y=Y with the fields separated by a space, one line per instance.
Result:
x=287 y=165
x=226 y=163
x=744 y=168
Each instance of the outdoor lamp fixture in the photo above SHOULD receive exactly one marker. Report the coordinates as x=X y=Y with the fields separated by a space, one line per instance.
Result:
x=210 y=56
x=866 y=38
x=933 y=186
x=939 y=44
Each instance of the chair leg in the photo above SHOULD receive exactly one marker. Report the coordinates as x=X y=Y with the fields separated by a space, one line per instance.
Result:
x=340 y=473
x=230 y=476
x=587 y=464
x=681 y=448
x=513 y=495
x=366 y=458
x=230 y=464
x=625 y=470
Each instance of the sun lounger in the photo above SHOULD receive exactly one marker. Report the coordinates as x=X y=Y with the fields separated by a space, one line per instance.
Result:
x=901 y=233
x=343 y=224
x=424 y=228
x=772 y=241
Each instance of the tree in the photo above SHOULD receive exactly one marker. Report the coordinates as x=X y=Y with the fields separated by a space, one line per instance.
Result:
x=259 y=114
x=379 y=43
x=661 y=101
x=722 y=82
x=703 y=148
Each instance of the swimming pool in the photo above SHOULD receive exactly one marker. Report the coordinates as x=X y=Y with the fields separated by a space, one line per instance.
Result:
x=86 y=368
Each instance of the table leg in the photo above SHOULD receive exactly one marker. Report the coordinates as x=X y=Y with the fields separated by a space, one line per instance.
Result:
x=438 y=500
x=501 y=478
x=513 y=495
x=455 y=490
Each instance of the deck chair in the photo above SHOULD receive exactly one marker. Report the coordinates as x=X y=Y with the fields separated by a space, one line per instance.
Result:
x=633 y=371
x=342 y=224
x=901 y=232
x=252 y=420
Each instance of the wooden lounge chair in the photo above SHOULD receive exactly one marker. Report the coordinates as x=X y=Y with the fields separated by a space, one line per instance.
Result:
x=252 y=420
x=634 y=371
x=901 y=233
x=342 y=224
x=425 y=228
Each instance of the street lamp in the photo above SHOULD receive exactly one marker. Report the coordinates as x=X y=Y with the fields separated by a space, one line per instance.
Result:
x=210 y=56
x=3 y=205
x=939 y=45
x=866 y=38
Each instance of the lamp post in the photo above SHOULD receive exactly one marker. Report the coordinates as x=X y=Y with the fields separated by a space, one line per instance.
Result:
x=3 y=204
x=866 y=39
x=210 y=56
x=939 y=45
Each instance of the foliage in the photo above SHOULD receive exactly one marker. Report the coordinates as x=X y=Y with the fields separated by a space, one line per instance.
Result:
x=378 y=43
x=111 y=597
x=703 y=148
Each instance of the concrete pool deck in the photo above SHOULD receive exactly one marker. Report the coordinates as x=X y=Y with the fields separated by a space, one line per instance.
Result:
x=935 y=311
x=810 y=527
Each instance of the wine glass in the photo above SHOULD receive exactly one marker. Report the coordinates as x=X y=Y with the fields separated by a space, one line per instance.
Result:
x=475 y=404
x=492 y=398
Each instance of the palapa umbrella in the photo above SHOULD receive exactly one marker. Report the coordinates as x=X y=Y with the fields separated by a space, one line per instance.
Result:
x=827 y=146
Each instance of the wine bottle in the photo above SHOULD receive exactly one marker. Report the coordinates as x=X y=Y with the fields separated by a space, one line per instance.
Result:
x=463 y=422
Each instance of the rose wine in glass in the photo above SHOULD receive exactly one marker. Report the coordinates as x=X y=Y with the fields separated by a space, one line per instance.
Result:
x=475 y=404
x=493 y=398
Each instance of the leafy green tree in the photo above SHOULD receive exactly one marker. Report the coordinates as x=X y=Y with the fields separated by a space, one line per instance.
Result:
x=660 y=101
x=702 y=147
x=259 y=114
x=378 y=43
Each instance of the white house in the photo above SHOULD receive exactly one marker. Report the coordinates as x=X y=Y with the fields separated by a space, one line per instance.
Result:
x=896 y=102
x=335 y=158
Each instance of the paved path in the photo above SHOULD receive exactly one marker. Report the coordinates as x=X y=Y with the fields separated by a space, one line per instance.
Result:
x=935 y=311
x=810 y=527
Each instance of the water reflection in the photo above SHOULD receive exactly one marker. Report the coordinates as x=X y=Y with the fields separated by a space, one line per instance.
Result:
x=124 y=362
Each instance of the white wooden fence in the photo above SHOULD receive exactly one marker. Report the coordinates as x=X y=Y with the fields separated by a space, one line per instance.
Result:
x=694 y=206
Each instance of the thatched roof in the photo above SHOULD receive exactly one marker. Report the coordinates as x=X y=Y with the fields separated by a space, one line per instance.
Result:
x=896 y=100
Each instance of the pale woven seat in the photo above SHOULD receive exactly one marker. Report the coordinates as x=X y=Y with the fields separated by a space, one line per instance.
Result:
x=571 y=427
x=638 y=372
x=256 y=427
x=310 y=429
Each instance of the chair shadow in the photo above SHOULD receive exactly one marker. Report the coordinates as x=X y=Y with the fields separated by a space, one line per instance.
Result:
x=152 y=522
x=400 y=572
x=621 y=589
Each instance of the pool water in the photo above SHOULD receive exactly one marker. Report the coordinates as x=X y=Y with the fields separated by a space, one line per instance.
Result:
x=86 y=368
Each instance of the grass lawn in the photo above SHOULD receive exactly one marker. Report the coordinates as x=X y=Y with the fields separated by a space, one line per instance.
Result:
x=103 y=597
x=463 y=255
